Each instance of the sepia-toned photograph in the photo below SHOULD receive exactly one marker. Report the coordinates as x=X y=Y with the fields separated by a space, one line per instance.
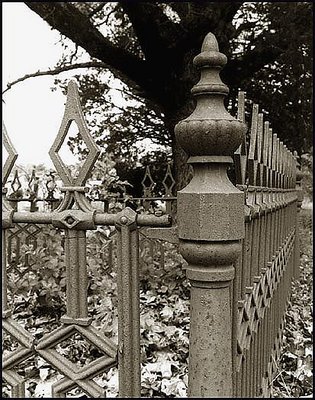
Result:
x=157 y=199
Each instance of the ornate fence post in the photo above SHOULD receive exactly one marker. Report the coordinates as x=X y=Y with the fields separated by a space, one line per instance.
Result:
x=210 y=226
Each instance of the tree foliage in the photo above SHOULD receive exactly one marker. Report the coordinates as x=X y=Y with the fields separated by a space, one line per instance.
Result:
x=284 y=86
x=150 y=48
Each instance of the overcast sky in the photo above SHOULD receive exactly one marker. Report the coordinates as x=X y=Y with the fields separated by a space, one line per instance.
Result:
x=32 y=113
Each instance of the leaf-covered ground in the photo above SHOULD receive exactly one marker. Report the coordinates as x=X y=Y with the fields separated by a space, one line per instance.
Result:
x=164 y=300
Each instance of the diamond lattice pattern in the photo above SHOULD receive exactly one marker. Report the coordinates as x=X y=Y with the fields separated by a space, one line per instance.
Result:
x=76 y=374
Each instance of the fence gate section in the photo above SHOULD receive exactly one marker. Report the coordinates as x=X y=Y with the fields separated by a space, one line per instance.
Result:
x=75 y=216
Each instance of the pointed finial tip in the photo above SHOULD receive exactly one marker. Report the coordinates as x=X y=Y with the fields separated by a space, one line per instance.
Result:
x=72 y=82
x=210 y=43
x=72 y=86
x=210 y=55
x=72 y=89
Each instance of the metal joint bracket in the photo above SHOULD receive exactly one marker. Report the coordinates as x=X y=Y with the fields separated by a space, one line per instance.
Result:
x=126 y=218
x=74 y=219
x=247 y=213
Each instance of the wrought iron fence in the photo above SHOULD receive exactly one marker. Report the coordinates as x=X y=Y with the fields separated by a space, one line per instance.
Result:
x=266 y=173
x=42 y=192
x=240 y=244
x=37 y=192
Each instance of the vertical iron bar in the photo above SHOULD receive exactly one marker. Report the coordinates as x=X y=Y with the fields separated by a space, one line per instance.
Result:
x=243 y=380
x=5 y=309
x=259 y=357
x=9 y=246
x=76 y=273
x=253 y=364
x=18 y=391
x=245 y=266
x=128 y=305
x=236 y=295
x=259 y=349
x=263 y=223
x=245 y=385
x=210 y=201
x=265 y=341
x=234 y=299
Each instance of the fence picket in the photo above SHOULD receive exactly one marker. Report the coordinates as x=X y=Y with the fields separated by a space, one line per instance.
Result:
x=129 y=305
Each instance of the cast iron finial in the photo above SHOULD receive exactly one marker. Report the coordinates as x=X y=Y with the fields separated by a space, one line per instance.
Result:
x=73 y=113
x=210 y=130
x=210 y=55
x=210 y=43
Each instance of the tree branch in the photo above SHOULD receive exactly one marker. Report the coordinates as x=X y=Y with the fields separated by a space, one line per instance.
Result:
x=75 y=25
x=105 y=21
x=204 y=11
x=198 y=18
x=231 y=8
x=97 y=9
x=240 y=68
x=154 y=30
x=56 y=71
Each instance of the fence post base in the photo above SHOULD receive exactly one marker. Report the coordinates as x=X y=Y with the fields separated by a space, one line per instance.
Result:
x=210 y=359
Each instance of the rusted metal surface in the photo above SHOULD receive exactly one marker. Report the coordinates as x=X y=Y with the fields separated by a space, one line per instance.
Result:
x=269 y=257
x=266 y=173
x=98 y=218
x=210 y=216
x=129 y=305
